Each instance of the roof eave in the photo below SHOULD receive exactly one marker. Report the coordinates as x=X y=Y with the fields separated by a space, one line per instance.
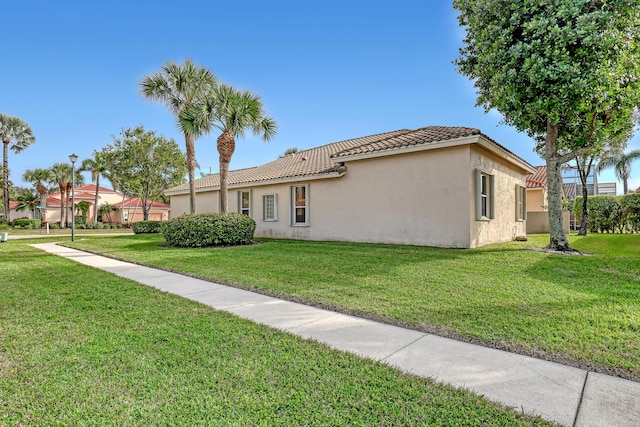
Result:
x=297 y=178
x=506 y=154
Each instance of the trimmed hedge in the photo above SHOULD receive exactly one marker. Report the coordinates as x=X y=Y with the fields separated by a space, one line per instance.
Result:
x=611 y=214
x=141 y=227
x=209 y=229
x=26 y=222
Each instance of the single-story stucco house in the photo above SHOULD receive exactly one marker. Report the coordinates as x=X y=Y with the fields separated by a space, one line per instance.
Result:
x=435 y=186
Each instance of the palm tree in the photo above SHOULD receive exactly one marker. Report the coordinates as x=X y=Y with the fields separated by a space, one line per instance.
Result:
x=27 y=201
x=233 y=112
x=621 y=162
x=180 y=87
x=16 y=135
x=60 y=175
x=39 y=178
x=98 y=167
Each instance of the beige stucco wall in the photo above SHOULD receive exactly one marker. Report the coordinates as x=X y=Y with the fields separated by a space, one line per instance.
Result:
x=504 y=226
x=536 y=200
x=422 y=198
x=538 y=222
x=206 y=201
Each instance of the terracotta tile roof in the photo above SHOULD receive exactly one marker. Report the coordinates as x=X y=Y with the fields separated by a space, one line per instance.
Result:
x=92 y=188
x=314 y=161
x=409 y=138
x=325 y=159
x=569 y=190
x=137 y=203
x=538 y=179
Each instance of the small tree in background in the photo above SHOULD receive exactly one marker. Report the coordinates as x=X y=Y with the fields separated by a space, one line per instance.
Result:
x=145 y=163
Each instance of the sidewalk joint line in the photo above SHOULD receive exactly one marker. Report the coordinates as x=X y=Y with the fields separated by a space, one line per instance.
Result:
x=584 y=387
x=405 y=346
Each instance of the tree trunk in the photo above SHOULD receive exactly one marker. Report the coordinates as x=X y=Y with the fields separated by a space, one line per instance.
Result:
x=145 y=208
x=558 y=239
x=95 y=203
x=191 y=166
x=62 y=188
x=625 y=186
x=584 y=171
x=226 y=147
x=585 y=212
x=72 y=209
x=5 y=178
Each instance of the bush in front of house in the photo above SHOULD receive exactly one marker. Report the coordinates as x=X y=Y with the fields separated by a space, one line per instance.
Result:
x=26 y=223
x=141 y=227
x=209 y=229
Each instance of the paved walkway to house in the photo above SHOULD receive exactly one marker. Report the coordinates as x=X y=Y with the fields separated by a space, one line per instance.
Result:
x=567 y=395
x=78 y=235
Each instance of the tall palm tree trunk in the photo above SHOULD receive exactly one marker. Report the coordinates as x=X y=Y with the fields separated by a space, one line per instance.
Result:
x=191 y=167
x=5 y=178
x=62 y=194
x=72 y=208
x=226 y=147
x=95 y=202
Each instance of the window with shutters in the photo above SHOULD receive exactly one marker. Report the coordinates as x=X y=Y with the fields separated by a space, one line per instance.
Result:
x=521 y=203
x=484 y=196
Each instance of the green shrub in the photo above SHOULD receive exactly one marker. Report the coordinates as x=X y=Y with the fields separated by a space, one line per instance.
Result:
x=141 y=227
x=80 y=219
x=53 y=226
x=210 y=229
x=605 y=214
x=27 y=223
x=4 y=226
x=630 y=205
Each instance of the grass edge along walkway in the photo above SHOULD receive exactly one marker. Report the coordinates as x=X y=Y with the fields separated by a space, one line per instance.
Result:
x=577 y=310
x=82 y=346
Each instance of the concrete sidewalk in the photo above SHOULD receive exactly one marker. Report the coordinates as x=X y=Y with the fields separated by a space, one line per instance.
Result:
x=567 y=395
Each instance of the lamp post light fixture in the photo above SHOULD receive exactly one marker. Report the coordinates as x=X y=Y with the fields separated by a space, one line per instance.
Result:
x=73 y=159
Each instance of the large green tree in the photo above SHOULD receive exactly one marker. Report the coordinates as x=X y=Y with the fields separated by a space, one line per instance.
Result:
x=16 y=135
x=145 y=163
x=98 y=167
x=621 y=163
x=549 y=66
x=180 y=87
x=233 y=112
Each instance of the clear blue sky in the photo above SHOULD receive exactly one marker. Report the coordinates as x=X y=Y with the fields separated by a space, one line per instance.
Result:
x=326 y=71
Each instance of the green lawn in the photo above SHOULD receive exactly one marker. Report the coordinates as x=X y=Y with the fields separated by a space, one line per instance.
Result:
x=580 y=310
x=79 y=346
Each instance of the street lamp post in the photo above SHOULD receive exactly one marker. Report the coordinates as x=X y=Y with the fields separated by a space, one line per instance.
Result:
x=73 y=159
